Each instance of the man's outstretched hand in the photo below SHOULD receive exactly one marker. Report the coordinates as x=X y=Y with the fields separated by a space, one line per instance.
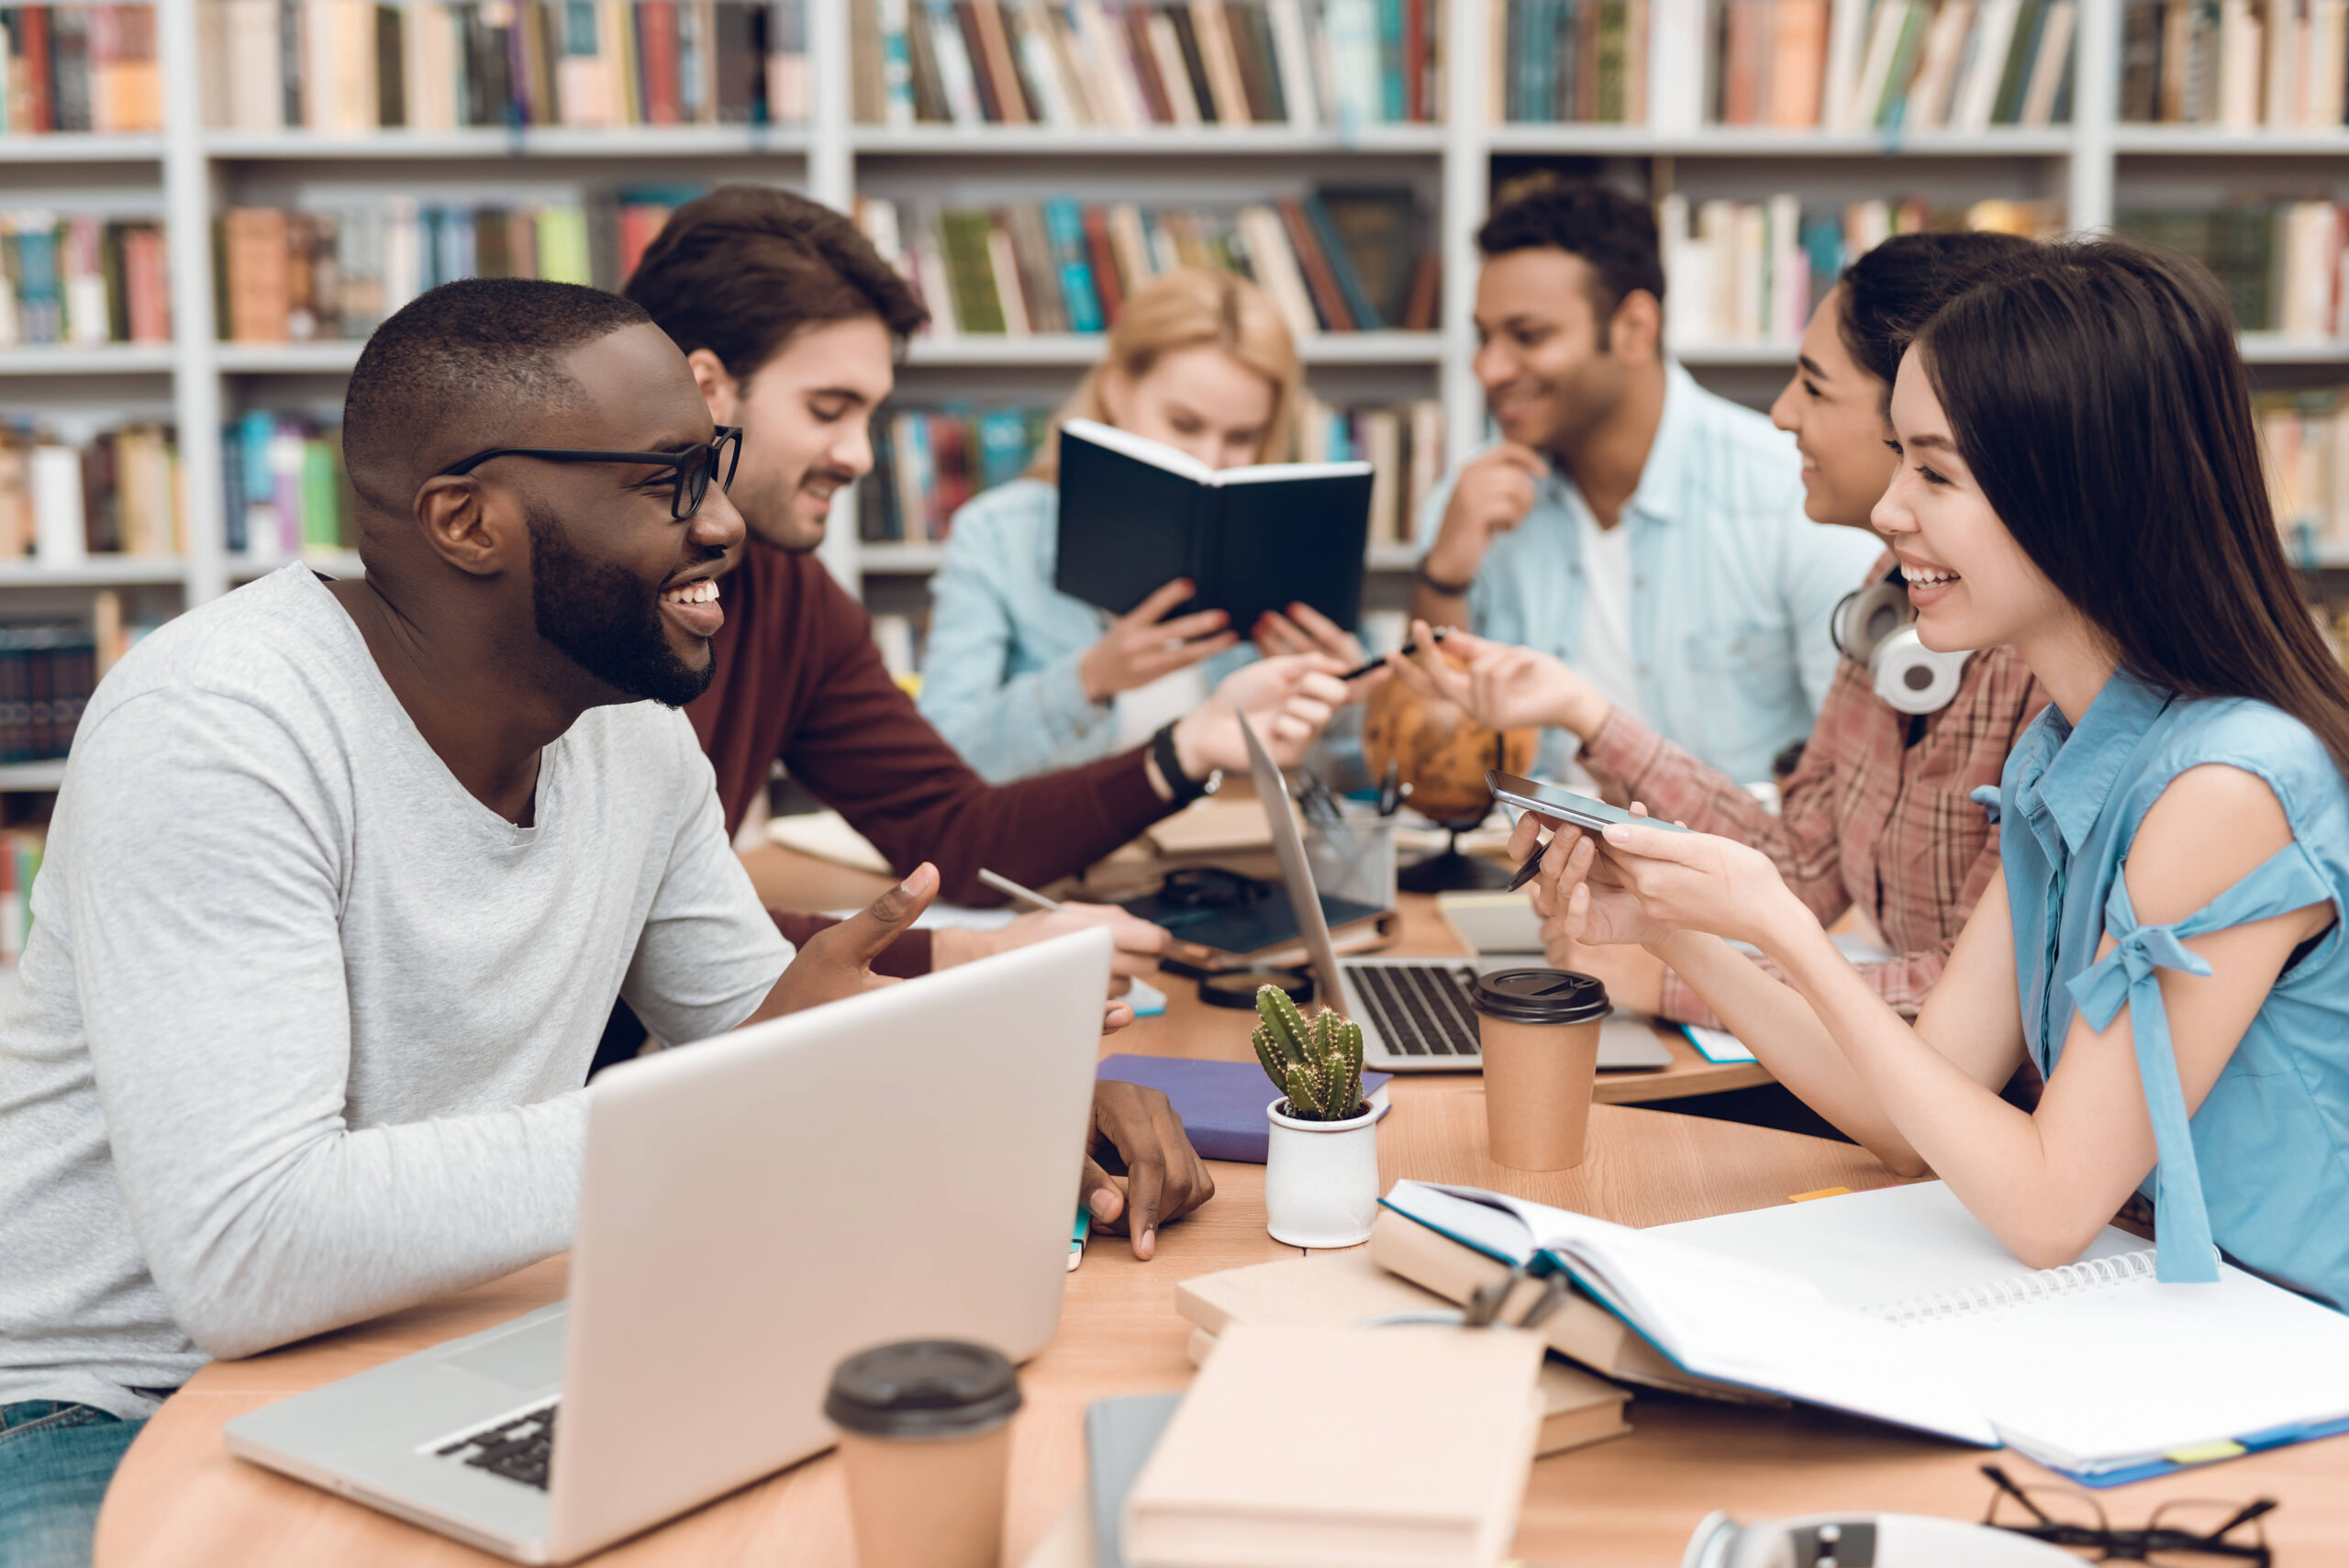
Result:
x=1136 y=1131
x=837 y=962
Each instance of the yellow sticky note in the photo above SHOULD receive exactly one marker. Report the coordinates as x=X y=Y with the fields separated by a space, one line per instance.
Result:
x=1823 y=1192
x=2205 y=1453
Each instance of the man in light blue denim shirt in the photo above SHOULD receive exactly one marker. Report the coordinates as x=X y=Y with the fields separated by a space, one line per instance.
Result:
x=1630 y=522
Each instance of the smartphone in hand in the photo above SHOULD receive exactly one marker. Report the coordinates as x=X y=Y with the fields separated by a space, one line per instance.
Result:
x=1564 y=805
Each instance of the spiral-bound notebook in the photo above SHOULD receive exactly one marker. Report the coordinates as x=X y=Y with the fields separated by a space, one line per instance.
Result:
x=1897 y=1304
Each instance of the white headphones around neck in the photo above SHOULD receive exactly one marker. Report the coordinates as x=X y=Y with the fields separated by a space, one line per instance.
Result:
x=1877 y=628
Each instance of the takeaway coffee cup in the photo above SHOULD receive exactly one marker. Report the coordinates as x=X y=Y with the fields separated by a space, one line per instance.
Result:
x=1537 y=1031
x=925 y=1433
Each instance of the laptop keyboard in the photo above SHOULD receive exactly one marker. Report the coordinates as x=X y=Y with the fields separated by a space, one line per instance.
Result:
x=1420 y=1009
x=518 y=1449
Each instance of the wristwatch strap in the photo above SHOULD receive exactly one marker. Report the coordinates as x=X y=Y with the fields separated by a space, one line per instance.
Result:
x=1429 y=579
x=1170 y=768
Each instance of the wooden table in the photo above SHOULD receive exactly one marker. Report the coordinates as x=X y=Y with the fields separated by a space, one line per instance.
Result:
x=180 y=1500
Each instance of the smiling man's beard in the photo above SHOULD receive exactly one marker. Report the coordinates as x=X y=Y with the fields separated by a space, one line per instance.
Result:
x=605 y=617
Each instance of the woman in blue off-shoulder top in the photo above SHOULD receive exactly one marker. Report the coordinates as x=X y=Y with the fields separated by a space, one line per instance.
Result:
x=2080 y=478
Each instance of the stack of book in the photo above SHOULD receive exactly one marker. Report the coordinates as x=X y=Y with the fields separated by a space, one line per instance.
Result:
x=2237 y=64
x=2279 y=262
x=287 y=496
x=350 y=67
x=337 y=272
x=120 y=494
x=80 y=68
x=47 y=674
x=1122 y=65
x=20 y=852
x=1897 y=65
x=2306 y=438
x=1568 y=62
x=82 y=280
x=1403 y=445
x=1745 y=272
x=927 y=461
x=1332 y=259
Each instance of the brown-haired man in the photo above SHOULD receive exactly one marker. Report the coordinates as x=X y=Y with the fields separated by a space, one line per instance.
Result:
x=791 y=323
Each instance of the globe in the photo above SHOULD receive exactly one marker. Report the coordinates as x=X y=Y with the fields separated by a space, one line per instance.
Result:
x=1441 y=752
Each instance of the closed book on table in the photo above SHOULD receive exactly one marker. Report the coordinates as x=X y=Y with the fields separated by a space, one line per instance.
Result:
x=1221 y=1104
x=1262 y=1466
x=1135 y=515
x=1343 y=1289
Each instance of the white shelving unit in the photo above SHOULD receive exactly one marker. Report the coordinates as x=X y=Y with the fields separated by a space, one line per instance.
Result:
x=191 y=172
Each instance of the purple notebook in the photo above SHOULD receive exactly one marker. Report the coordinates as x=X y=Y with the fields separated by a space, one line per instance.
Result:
x=1221 y=1103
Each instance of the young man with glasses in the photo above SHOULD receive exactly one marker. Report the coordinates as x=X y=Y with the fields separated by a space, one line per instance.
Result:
x=792 y=324
x=345 y=876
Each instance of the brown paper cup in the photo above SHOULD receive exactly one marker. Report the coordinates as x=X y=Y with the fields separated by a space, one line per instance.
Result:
x=1538 y=1083
x=927 y=1502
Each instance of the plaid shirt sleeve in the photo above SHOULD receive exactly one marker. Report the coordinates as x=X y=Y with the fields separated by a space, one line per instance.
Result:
x=1916 y=885
x=1633 y=763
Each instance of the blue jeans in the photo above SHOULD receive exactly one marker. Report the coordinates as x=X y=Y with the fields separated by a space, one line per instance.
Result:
x=55 y=1462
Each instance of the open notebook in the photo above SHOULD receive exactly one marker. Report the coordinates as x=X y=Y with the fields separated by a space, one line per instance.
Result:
x=1897 y=1304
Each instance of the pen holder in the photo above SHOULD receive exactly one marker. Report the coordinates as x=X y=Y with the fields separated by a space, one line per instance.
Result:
x=1353 y=858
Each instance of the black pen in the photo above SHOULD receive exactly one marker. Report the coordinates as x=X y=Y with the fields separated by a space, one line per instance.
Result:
x=1525 y=872
x=1403 y=652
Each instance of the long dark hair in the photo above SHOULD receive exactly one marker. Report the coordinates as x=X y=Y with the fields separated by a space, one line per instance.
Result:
x=1895 y=289
x=2096 y=392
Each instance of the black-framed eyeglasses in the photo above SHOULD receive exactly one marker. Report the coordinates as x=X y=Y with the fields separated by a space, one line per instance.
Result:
x=2183 y=1534
x=695 y=466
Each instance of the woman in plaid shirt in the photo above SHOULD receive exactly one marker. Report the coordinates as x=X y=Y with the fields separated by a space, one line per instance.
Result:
x=1876 y=819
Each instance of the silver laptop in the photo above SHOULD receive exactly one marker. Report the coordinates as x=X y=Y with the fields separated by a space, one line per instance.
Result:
x=902 y=1164
x=1415 y=1012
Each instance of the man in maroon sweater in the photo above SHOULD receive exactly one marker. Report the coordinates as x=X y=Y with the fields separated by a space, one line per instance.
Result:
x=791 y=324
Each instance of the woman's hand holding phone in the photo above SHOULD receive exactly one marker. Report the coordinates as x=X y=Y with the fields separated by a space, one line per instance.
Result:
x=1635 y=883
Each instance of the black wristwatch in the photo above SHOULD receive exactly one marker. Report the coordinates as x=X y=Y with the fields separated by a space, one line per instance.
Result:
x=1170 y=768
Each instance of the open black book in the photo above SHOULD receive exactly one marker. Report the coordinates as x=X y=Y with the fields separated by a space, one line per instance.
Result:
x=1135 y=515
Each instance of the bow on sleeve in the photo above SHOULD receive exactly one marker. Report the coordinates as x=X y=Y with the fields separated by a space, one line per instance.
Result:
x=2130 y=975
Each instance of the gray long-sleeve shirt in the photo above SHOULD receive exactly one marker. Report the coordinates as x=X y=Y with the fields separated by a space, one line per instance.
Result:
x=302 y=1023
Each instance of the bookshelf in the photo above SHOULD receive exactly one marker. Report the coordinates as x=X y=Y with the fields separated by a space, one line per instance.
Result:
x=2089 y=168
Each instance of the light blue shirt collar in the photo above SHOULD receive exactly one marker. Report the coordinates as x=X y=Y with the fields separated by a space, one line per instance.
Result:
x=1665 y=493
x=2066 y=774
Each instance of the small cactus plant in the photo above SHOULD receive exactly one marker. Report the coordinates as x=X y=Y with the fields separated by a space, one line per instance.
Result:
x=1317 y=1066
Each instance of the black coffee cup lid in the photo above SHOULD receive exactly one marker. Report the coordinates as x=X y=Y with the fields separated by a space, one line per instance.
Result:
x=1542 y=996
x=923 y=1388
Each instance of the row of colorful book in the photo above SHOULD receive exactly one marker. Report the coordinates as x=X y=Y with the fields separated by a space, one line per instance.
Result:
x=1128 y=63
x=1403 y=444
x=350 y=67
x=82 y=280
x=287 y=494
x=1334 y=260
x=288 y=275
x=80 y=68
x=2279 y=262
x=2237 y=64
x=1895 y=65
x=929 y=462
x=1568 y=62
x=20 y=852
x=120 y=494
x=2306 y=438
x=47 y=674
x=1745 y=272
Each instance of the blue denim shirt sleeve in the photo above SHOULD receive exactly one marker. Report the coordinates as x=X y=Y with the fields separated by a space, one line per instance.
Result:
x=992 y=612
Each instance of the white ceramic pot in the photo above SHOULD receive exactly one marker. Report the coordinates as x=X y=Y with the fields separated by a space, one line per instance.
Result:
x=1321 y=1178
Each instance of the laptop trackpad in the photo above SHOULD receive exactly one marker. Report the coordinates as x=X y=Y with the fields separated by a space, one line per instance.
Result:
x=528 y=1358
